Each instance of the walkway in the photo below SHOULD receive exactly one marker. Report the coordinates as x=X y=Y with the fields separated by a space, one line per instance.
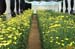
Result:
x=34 y=36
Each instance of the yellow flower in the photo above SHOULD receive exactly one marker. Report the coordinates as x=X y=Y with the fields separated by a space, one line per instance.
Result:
x=26 y=24
x=15 y=38
x=8 y=48
x=51 y=37
x=62 y=16
x=70 y=44
x=18 y=27
x=51 y=41
x=13 y=28
x=9 y=28
x=62 y=40
x=1 y=44
x=56 y=21
x=66 y=39
x=57 y=37
x=17 y=33
x=73 y=42
x=62 y=44
x=9 y=41
x=1 y=38
x=58 y=43
x=3 y=31
x=56 y=25
x=2 y=24
x=10 y=36
x=14 y=42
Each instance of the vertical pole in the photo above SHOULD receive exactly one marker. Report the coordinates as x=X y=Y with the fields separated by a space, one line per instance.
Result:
x=19 y=6
x=64 y=6
x=69 y=7
x=12 y=7
x=59 y=6
x=2 y=6
x=15 y=7
x=8 y=12
x=72 y=5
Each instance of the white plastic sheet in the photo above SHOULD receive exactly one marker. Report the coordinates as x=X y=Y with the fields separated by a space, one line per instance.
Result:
x=52 y=5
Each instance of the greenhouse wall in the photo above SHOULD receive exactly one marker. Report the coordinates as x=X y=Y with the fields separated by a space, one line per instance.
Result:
x=52 y=5
x=55 y=6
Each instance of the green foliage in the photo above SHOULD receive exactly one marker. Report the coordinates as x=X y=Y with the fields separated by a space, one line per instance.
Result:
x=14 y=32
x=3 y=17
x=57 y=30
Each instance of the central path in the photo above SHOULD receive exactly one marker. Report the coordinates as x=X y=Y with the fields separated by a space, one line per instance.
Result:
x=34 y=36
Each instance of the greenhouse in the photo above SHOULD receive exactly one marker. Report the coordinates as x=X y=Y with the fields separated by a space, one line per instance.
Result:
x=37 y=24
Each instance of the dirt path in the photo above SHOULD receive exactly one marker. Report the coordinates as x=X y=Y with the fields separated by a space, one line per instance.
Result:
x=34 y=36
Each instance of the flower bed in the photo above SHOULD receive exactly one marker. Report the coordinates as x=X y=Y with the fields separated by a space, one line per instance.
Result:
x=57 y=30
x=2 y=18
x=14 y=32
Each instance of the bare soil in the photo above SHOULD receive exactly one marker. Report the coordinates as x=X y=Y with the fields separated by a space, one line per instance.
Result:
x=34 y=36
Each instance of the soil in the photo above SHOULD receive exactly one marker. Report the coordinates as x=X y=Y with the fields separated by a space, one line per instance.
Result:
x=34 y=36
